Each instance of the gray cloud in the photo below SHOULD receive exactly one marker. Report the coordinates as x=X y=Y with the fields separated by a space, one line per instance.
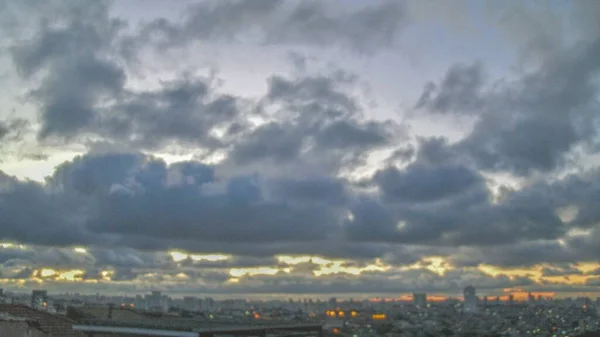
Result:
x=128 y=194
x=413 y=210
x=273 y=22
x=425 y=184
x=184 y=111
x=561 y=271
x=75 y=52
x=528 y=125
x=12 y=130
x=459 y=92
x=319 y=127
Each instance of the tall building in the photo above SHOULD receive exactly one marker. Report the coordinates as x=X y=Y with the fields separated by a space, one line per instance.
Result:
x=154 y=301
x=39 y=299
x=420 y=299
x=470 y=299
x=192 y=303
x=511 y=299
x=332 y=303
x=209 y=304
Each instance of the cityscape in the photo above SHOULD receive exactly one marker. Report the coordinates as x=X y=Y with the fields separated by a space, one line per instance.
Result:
x=299 y=168
x=157 y=314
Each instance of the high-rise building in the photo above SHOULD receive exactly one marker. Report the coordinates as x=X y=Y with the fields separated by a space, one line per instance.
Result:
x=39 y=299
x=333 y=303
x=420 y=299
x=192 y=303
x=470 y=299
x=154 y=301
x=531 y=298
x=209 y=304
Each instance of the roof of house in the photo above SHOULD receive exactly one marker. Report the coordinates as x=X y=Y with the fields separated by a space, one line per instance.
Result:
x=57 y=326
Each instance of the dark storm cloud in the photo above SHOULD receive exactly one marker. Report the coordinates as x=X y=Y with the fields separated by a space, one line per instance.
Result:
x=319 y=127
x=75 y=54
x=469 y=216
x=459 y=92
x=32 y=214
x=74 y=58
x=425 y=184
x=106 y=196
x=184 y=111
x=75 y=63
x=43 y=256
x=529 y=124
x=274 y=22
x=561 y=271
x=12 y=129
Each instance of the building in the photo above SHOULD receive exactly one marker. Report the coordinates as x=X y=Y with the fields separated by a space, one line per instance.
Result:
x=420 y=299
x=39 y=299
x=470 y=300
x=531 y=298
x=39 y=323
x=19 y=327
x=192 y=303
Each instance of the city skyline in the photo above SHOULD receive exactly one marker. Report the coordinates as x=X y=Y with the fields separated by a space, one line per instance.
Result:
x=281 y=148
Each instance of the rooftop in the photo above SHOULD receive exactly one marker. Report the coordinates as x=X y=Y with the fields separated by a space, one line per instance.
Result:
x=55 y=325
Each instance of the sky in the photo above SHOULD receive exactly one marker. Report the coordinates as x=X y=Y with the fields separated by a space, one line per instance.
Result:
x=268 y=148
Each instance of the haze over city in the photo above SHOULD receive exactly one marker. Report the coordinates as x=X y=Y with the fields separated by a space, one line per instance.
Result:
x=295 y=149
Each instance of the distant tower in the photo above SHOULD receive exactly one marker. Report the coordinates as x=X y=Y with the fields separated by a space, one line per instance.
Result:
x=420 y=299
x=470 y=299
x=39 y=299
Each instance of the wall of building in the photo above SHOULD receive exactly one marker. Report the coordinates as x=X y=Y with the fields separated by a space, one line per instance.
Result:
x=19 y=329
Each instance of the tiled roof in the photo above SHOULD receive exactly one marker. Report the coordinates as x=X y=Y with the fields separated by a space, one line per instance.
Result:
x=56 y=326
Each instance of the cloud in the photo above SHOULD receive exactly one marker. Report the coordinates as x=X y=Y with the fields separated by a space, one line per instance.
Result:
x=12 y=130
x=184 y=112
x=364 y=29
x=318 y=124
x=561 y=271
x=424 y=184
x=459 y=91
x=75 y=52
x=104 y=195
x=426 y=207
x=527 y=125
